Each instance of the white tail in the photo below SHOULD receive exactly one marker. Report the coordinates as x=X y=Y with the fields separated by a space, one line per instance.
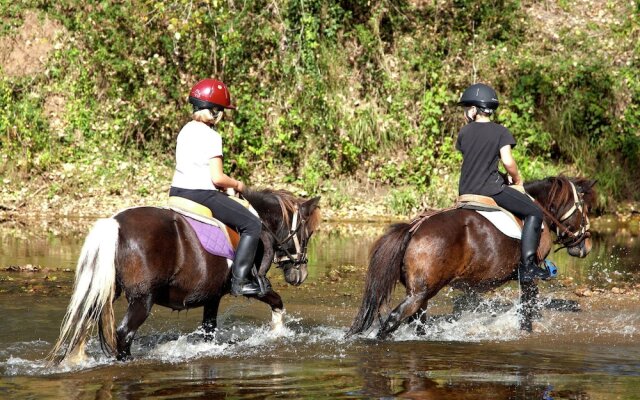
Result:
x=93 y=292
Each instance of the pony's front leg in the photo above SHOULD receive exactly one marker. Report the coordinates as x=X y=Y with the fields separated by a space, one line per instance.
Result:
x=274 y=300
x=528 y=305
x=210 y=317
x=409 y=306
x=267 y=255
x=468 y=301
x=266 y=258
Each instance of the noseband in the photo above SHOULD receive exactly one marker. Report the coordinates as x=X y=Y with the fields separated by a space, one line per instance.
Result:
x=300 y=256
x=565 y=236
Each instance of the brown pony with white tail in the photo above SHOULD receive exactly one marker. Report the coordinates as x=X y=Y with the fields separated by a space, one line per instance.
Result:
x=153 y=256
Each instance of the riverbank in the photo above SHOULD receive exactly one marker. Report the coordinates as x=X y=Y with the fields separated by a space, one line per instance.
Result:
x=70 y=194
x=74 y=193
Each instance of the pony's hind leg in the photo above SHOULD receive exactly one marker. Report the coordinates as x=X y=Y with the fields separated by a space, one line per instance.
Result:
x=421 y=318
x=409 y=306
x=78 y=355
x=137 y=313
x=468 y=301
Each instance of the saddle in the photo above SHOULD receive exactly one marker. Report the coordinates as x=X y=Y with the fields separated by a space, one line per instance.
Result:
x=219 y=239
x=216 y=237
x=502 y=219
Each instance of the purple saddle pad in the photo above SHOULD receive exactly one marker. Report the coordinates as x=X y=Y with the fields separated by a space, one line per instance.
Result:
x=212 y=238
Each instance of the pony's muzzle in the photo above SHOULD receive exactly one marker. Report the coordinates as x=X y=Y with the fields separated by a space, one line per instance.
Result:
x=295 y=274
x=582 y=249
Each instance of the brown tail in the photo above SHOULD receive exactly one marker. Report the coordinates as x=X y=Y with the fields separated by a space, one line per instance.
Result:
x=385 y=269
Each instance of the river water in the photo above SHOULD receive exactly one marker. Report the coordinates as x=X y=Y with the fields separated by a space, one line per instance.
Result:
x=590 y=354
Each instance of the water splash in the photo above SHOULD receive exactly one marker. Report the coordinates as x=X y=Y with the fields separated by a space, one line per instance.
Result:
x=236 y=341
x=17 y=365
x=493 y=320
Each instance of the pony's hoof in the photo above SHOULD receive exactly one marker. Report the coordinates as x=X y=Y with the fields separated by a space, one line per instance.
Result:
x=209 y=336
x=277 y=320
x=382 y=335
x=265 y=286
x=526 y=326
x=124 y=357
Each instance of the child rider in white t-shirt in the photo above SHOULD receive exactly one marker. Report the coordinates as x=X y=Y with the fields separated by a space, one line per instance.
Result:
x=199 y=174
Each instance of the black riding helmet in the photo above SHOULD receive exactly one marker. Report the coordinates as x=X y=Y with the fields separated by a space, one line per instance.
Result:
x=481 y=96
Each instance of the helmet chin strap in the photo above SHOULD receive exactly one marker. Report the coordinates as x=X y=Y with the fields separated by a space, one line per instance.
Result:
x=217 y=116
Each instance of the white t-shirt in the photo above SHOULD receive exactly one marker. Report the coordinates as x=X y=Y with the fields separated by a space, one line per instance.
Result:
x=197 y=144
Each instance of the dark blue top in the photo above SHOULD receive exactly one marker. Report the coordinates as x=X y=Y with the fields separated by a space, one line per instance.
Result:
x=480 y=144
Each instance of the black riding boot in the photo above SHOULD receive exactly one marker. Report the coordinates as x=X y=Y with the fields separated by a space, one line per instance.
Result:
x=528 y=270
x=241 y=281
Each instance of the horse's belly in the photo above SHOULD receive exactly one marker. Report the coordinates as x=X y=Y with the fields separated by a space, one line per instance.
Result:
x=179 y=300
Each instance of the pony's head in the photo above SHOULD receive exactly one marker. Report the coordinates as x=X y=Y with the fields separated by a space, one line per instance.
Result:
x=578 y=219
x=566 y=203
x=291 y=221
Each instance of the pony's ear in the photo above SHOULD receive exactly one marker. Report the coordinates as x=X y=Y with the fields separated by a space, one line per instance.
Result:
x=309 y=206
x=587 y=185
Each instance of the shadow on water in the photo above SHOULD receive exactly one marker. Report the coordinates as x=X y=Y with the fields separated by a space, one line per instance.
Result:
x=590 y=354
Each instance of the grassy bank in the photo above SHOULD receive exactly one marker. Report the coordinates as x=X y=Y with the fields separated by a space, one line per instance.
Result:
x=351 y=100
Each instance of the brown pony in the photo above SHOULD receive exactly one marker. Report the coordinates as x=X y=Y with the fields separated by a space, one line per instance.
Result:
x=460 y=248
x=153 y=255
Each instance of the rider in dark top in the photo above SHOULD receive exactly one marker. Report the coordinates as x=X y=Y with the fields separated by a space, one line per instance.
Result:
x=483 y=144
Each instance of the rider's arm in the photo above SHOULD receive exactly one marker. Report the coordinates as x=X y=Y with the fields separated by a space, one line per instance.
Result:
x=220 y=179
x=510 y=164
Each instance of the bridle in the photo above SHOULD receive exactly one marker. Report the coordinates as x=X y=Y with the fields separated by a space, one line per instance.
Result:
x=283 y=255
x=565 y=236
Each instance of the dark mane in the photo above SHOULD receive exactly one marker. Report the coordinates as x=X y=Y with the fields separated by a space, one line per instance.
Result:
x=554 y=191
x=287 y=202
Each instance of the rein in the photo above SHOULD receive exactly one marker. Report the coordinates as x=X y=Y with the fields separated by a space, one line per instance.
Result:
x=566 y=237
x=300 y=256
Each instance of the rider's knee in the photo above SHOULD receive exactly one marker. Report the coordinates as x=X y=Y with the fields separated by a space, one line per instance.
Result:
x=536 y=212
x=253 y=227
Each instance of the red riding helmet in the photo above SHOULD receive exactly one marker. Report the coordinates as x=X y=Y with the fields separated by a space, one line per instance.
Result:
x=210 y=93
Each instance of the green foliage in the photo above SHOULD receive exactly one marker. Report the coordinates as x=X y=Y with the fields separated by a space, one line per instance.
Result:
x=312 y=174
x=325 y=90
x=404 y=200
x=11 y=16
x=567 y=110
x=24 y=128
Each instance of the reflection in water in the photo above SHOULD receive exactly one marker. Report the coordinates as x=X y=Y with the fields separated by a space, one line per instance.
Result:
x=51 y=244
x=506 y=371
x=418 y=380
x=56 y=244
x=592 y=354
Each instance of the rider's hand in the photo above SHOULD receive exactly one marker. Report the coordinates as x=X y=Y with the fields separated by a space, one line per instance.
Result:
x=519 y=188
x=240 y=187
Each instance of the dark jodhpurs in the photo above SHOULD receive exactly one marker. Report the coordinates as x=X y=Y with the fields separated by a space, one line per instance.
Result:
x=224 y=209
x=518 y=203
x=239 y=218
x=523 y=207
